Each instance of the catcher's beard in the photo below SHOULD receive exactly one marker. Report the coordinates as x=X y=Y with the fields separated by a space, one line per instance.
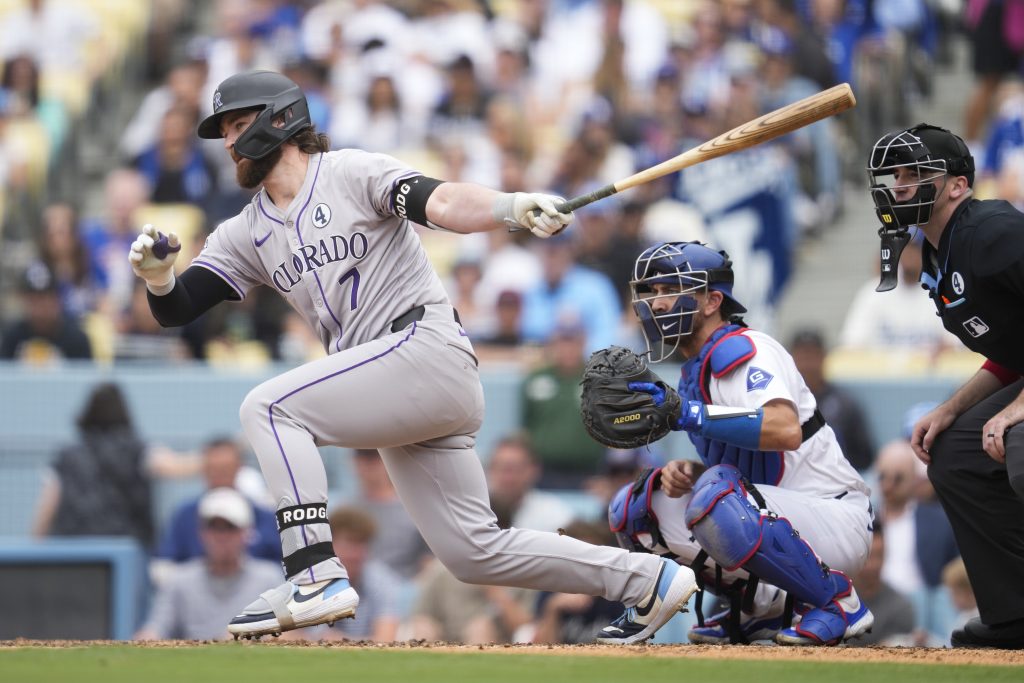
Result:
x=251 y=173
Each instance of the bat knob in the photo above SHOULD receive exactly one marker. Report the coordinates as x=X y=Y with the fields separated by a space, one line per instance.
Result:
x=161 y=247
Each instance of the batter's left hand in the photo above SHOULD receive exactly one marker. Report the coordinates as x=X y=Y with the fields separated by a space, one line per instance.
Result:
x=537 y=213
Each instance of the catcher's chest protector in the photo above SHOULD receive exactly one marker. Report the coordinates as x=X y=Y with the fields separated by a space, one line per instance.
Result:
x=725 y=350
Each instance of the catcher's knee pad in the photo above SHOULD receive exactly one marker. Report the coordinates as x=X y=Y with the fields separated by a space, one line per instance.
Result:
x=631 y=517
x=736 y=534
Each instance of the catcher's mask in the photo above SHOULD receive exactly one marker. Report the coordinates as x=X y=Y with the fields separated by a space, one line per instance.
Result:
x=927 y=153
x=275 y=95
x=689 y=268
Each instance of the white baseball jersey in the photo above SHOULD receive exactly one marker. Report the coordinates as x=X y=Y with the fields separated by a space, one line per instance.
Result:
x=340 y=254
x=818 y=467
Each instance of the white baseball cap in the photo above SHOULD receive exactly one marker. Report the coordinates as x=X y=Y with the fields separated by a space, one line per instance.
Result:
x=227 y=504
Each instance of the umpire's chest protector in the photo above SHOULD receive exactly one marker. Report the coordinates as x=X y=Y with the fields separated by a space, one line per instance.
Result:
x=976 y=280
x=725 y=350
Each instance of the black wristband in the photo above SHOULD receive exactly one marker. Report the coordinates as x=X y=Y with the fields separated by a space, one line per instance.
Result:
x=307 y=557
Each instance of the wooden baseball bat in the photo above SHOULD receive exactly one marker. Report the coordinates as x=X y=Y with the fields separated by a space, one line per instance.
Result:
x=784 y=120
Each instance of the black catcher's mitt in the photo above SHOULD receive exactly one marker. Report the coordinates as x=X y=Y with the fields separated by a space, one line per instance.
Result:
x=616 y=415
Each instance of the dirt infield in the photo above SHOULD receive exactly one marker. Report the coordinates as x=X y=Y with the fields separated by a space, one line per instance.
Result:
x=915 y=655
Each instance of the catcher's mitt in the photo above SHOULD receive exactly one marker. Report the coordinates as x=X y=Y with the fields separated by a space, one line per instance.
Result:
x=616 y=415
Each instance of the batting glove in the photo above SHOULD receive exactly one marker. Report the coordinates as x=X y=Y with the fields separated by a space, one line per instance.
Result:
x=152 y=257
x=537 y=213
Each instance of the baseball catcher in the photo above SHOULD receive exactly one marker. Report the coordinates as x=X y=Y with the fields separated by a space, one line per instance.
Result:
x=616 y=410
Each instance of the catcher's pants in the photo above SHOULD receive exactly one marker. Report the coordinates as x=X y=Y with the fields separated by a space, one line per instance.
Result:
x=415 y=395
x=837 y=529
x=984 y=509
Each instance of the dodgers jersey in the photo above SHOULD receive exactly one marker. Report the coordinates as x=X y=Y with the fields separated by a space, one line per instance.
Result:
x=340 y=254
x=818 y=467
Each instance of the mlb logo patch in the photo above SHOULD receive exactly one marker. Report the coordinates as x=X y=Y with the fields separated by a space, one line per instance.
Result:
x=976 y=326
x=758 y=378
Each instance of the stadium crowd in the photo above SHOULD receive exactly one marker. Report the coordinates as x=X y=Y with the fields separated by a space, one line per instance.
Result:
x=567 y=95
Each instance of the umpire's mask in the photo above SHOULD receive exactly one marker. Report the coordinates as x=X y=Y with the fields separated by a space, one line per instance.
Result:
x=926 y=153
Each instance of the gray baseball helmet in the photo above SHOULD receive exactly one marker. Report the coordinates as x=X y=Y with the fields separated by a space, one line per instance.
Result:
x=272 y=93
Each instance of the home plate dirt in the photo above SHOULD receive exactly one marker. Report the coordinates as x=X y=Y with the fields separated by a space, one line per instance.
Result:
x=914 y=655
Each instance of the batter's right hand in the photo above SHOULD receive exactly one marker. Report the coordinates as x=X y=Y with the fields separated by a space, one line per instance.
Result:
x=152 y=256
x=928 y=428
x=537 y=213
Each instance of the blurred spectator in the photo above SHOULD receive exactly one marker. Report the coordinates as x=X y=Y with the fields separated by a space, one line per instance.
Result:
x=955 y=580
x=182 y=87
x=508 y=315
x=894 y=613
x=397 y=542
x=449 y=610
x=174 y=166
x=513 y=471
x=621 y=467
x=568 y=289
x=44 y=333
x=221 y=466
x=62 y=251
x=996 y=28
x=806 y=49
x=99 y=486
x=462 y=287
x=571 y=617
x=463 y=107
x=198 y=601
x=21 y=86
x=507 y=264
x=841 y=410
x=108 y=237
x=920 y=539
x=59 y=35
x=900 y=319
x=378 y=615
x=140 y=337
x=551 y=411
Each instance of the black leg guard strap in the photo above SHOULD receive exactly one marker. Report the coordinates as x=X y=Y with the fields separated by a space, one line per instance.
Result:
x=307 y=557
x=698 y=570
x=787 y=611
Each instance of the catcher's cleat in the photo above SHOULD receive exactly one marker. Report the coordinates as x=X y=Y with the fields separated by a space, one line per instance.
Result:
x=753 y=627
x=289 y=607
x=843 y=618
x=671 y=592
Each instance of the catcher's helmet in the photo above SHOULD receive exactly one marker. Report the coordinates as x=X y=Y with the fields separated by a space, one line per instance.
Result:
x=276 y=95
x=690 y=266
x=929 y=152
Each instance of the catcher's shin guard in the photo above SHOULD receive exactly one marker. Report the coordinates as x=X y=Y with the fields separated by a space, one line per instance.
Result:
x=736 y=534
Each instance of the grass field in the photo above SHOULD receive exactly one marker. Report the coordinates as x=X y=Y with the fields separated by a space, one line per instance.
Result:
x=256 y=664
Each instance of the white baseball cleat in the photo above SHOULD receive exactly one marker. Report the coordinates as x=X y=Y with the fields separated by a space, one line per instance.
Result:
x=671 y=592
x=290 y=606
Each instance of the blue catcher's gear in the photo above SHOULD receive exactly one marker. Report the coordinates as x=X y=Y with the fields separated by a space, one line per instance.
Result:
x=631 y=518
x=736 y=534
x=689 y=268
x=276 y=95
x=726 y=349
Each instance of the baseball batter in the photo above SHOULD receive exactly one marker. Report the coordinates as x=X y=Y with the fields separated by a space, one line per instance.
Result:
x=777 y=500
x=332 y=233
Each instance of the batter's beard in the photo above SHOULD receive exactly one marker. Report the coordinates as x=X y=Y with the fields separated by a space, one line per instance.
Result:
x=250 y=173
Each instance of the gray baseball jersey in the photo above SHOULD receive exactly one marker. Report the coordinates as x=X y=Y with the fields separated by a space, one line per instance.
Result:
x=344 y=260
x=349 y=265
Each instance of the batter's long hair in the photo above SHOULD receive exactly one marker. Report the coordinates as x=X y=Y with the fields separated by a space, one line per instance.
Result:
x=308 y=140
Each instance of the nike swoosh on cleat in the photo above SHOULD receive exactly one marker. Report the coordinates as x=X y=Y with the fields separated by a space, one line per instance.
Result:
x=259 y=243
x=299 y=597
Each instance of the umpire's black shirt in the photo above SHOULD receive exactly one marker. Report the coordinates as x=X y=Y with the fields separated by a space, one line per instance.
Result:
x=976 y=279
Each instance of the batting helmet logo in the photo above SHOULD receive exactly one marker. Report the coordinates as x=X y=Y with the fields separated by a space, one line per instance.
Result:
x=218 y=102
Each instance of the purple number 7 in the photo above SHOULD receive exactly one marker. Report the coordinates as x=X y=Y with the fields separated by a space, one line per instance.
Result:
x=353 y=274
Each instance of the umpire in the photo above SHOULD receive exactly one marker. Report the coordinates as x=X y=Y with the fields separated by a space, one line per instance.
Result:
x=973 y=258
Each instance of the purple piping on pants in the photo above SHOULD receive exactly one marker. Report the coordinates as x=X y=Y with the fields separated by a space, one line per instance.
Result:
x=280 y=446
x=224 y=276
x=298 y=222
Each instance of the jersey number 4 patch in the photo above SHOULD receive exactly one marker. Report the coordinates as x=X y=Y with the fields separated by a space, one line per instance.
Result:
x=758 y=378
